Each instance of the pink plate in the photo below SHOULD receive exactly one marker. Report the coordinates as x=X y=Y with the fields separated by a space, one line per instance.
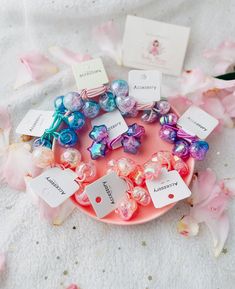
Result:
x=151 y=143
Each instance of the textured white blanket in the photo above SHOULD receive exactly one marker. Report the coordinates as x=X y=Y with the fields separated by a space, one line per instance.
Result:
x=83 y=251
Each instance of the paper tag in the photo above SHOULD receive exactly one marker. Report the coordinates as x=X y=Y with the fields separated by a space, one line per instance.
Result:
x=35 y=122
x=149 y=44
x=114 y=122
x=55 y=185
x=197 y=122
x=106 y=193
x=90 y=74
x=145 y=85
x=167 y=189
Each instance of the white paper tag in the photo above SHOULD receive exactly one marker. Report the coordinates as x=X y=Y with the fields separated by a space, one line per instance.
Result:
x=167 y=189
x=35 y=122
x=55 y=185
x=197 y=122
x=145 y=85
x=114 y=122
x=106 y=193
x=90 y=74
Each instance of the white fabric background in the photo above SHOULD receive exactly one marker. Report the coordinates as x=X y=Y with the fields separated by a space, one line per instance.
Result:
x=96 y=255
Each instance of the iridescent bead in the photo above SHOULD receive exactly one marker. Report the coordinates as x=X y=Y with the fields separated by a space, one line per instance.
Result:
x=125 y=103
x=107 y=101
x=99 y=133
x=168 y=134
x=131 y=144
x=91 y=108
x=198 y=149
x=180 y=166
x=126 y=208
x=164 y=158
x=125 y=166
x=70 y=157
x=86 y=171
x=152 y=170
x=42 y=142
x=170 y=119
x=149 y=116
x=135 y=130
x=97 y=149
x=112 y=166
x=163 y=107
x=141 y=196
x=119 y=87
x=67 y=137
x=82 y=198
x=43 y=157
x=132 y=113
x=59 y=104
x=137 y=176
x=73 y=101
x=181 y=149
x=76 y=120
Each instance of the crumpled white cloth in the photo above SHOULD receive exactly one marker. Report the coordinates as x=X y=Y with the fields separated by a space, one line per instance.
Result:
x=84 y=251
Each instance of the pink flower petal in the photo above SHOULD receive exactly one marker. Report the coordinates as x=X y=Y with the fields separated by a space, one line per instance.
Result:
x=73 y=286
x=187 y=226
x=2 y=262
x=18 y=164
x=180 y=103
x=229 y=104
x=67 y=56
x=34 y=67
x=109 y=40
x=4 y=118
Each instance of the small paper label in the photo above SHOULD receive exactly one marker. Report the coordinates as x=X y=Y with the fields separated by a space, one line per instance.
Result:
x=197 y=122
x=90 y=74
x=106 y=193
x=35 y=122
x=114 y=122
x=145 y=85
x=167 y=189
x=55 y=185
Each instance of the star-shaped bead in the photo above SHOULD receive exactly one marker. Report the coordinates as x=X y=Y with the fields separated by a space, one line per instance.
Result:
x=130 y=144
x=135 y=130
x=99 y=133
x=97 y=149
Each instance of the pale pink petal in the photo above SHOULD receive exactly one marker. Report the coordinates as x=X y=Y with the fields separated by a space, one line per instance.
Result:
x=228 y=186
x=229 y=104
x=109 y=40
x=4 y=118
x=202 y=186
x=187 y=226
x=2 y=262
x=19 y=164
x=36 y=67
x=72 y=286
x=67 y=56
x=223 y=56
x=64 y=210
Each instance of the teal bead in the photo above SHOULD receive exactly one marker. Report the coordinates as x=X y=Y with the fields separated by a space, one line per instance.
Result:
x=107 y=101
x=67 y=137
x=76 y=120
x=59 y=103
x=119 y=87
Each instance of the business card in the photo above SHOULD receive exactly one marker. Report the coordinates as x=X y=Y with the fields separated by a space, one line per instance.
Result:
x=149 y=44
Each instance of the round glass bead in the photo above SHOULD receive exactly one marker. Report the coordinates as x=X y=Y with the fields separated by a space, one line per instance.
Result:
x=152 y=170
x=165 y=158
x=170 y=119
x=82 y=198
x=125 y=103
x=73 y=101
x=59 y=103
x=141 y=196
x=107 y=101
x=198 y=149
x=43 y=157
x=149 y=116
x=168 y=134
x=91 y=108
x=38 y=142
x=137 y=176
x=181 y=149
x=70 y=157
x=180 y=166
x=119 y=87
x=67 y=137
x=125 y=166
x=76 y=120
x=163 y=107
x=86 y=171
x=126 y=208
